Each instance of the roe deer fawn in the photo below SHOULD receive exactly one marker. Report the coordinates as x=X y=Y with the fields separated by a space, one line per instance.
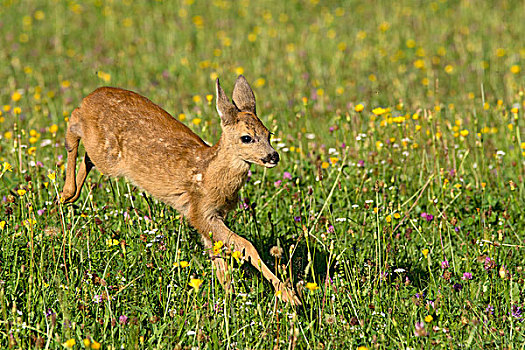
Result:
x=125 y=134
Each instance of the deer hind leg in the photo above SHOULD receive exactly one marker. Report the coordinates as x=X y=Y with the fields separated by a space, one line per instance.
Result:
x=70 y=187
x=236 y=242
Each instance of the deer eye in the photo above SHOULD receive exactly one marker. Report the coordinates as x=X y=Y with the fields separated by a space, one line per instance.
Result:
x=246 y=139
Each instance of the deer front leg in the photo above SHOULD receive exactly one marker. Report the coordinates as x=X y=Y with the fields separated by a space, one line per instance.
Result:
x=233 y=241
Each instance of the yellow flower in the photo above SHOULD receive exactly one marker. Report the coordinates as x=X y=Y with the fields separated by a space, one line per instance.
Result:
x=31 y=150
x=69 y=343
x=217 y=247
x=2 y=224
x=65 y=84
x=449 y=69
x=53 y=128
x=86 y=342
x=182 y=117
x=16 y=96
x=428 y=318
x=104 y=76
x=515 y=69
x=209 y=98
x=362 y=347
x=463 y=133
x=21 y=192
x=514 y=110
x=7 y=167
x=17 y=110
x=195 y=283
x=425 y=252
x=196 y=121
x=325 y=165
x=378 y=111
x=522 y=146
x=312 y=286
x=397 y=216
x=52 y=176
x=359 y=107
x=388 y=219
x=259 y=82
x=334 y=160
x=239 y=70
x=111 y=242
x=95 y=345
x=197 y=99
x=184 y=264
x=236 y=255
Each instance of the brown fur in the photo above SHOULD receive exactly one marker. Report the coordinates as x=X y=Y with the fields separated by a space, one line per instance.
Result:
x=127 y=135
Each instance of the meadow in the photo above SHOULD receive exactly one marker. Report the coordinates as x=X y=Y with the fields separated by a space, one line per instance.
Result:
x=397 y=204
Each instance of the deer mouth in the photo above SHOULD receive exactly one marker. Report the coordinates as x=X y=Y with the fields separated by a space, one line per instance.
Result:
x=270 y=160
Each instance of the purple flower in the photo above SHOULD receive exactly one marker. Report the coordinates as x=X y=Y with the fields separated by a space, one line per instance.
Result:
x=489 y=310
x=428 y=217
x=277 y=183
x=431 y=303
x=97 y=299
x=297 y=218
x=458 y=287
x=361 y=163
x=444 y=264
x=466 y=276
x=40 y=211
x=123 y=319
x=517 y=311
x=287 y=175
x=49 y=312
x=331 y=229
x=343 y=145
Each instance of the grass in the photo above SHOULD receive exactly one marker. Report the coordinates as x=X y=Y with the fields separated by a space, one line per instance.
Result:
x=399 y=197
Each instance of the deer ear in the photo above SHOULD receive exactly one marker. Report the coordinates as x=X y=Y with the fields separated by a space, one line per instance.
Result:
x=243 y=96
x=227 y=110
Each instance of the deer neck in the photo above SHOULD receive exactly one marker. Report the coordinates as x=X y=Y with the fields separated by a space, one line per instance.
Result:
x=225 y=175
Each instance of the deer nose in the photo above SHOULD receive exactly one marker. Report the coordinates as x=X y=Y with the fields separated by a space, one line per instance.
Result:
x=273 y=158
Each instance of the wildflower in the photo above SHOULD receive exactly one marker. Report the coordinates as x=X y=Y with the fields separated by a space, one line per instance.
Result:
x=123 y=319
x=463 y=133
x=16 y=96
x=325 y=165
x=489 y=264
x=331 y=229
x=277 y=183
x=312 y=286
x=334 y=160
x=330 y=319
x=420 y=330
x=425 y=252
x=69 y=343
x=466 y=276
x=362 y=347
x=297 y=218
x=51 y=176
x=196 y=121
x=237 y=256
x=444 y=264
x=489 y=310
x=217 y=246
x=195 y=283
x=388 y=218
x=53 y=128
x=86 y=343
x=287 y=175
x=502 y=271
x=182 y=117
x=106 y=77
x=276 y=252
x=21 y=192
x=429 y=318
x=359 y=107
x=378 y=111
x=8 y=167
x=428 y=217
x=515 y=69
x=397 y=216
x=95 y=345
x=111 y=242
x=2 y=224
x=517 y=311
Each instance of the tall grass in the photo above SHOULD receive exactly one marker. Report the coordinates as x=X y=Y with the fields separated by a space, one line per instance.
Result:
x=398 y=201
